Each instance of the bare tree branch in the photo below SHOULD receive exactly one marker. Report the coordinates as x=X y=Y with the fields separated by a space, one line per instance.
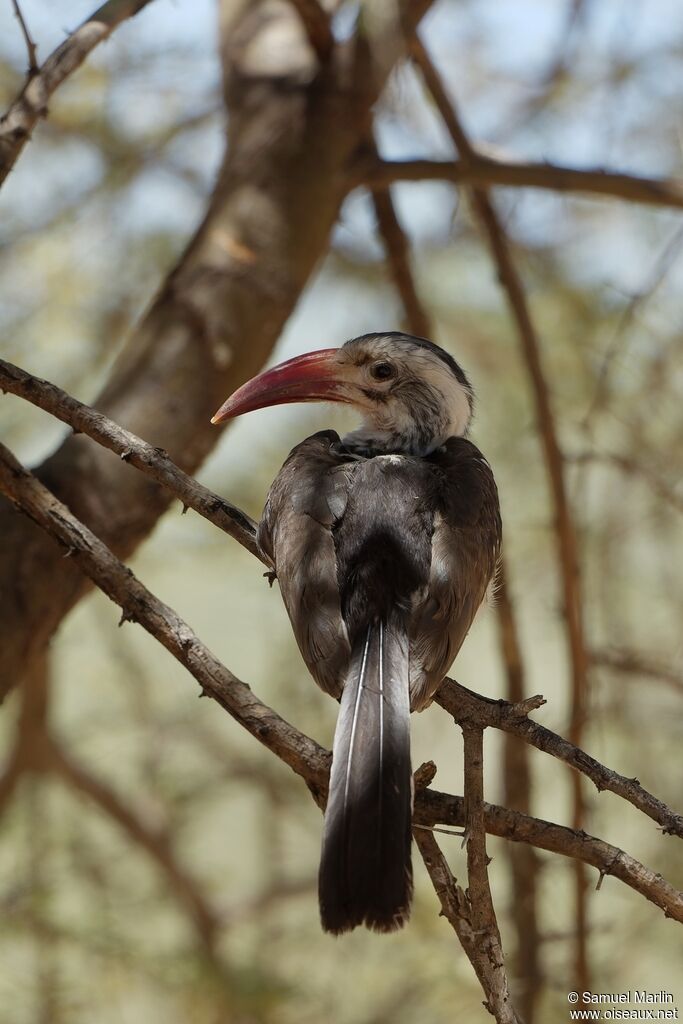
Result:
x=517 y=786
x=487 y=171
x=432 y=807
x=468 y=707
x=397 y=252
x=302 y=754
x=93 y=558
x=153 y=461
x=455 y=907
x=489 y=948
x=18 y=122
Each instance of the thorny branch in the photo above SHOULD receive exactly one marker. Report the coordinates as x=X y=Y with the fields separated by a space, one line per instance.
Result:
x=31 y=104
x=432 y=807
x=489 y=949
x=153 y=461
x=468 y=707
x=302 y=754
x=517 y=790
x=464 y=705
x=455 y=906
x=31 y=48
x=139 y=605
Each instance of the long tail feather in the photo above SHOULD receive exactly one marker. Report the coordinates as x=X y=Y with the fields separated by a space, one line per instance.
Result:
x=365 y=869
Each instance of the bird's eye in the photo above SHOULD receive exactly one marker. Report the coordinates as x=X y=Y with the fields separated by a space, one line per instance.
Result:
x=383 y=371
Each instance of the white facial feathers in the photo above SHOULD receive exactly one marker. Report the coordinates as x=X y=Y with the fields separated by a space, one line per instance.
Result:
x=412 y=394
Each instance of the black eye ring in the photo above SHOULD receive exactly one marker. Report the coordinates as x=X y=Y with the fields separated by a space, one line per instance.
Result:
x=383 y=371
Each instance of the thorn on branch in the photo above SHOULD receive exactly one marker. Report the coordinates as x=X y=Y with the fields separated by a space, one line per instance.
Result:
x=438 y=828
x=271 y=576
x=185 y=508
x=70 y=551
x=126 y=454
x=126 y=616
x=424 y=775
x=31 y=47
x=525 y=707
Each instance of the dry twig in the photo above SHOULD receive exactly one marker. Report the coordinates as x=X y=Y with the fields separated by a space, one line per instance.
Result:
x=398 y=255
x=468 y=707
x=31 y=104
x=517 y=787
x=432 y=806
x=455 y=907
x=153 y=461
x=489 y=949
x=95 y=559
x=486 y=171
x=31 y=48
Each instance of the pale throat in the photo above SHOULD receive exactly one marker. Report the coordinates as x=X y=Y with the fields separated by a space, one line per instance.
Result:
x=417 y=423
x=404 y=436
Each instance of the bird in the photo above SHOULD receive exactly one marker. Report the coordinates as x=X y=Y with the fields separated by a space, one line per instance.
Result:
x=384 y=543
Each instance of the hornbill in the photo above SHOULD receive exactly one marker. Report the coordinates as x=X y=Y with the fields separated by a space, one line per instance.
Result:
x=384 y=543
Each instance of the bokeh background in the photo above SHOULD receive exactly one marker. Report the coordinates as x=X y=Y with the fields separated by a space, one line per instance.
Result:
x=173 y=879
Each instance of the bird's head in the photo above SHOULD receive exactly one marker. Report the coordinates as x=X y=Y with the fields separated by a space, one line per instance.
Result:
x=412 y=395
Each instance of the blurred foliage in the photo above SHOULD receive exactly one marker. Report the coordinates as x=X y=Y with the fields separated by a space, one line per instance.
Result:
x=95 y=213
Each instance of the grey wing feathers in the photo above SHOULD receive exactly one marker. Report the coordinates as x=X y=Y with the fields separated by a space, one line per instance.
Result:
x=465 y=551
x=306 y=499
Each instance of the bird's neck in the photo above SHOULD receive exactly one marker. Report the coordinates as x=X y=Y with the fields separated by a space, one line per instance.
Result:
x=369 y=440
